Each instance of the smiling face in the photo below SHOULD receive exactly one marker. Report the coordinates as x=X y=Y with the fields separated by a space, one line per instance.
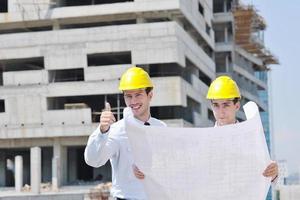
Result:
x=139 y=101
x=225 y=111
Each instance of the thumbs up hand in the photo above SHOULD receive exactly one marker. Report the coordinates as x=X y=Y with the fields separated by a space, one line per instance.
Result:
x=106 y=119
x=107 y=107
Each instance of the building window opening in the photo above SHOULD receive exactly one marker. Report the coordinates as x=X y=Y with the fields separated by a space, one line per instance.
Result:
x=91 y=2
x=201 y=9
x=3 y=6
x=79 y=172
x=66 y=75
x=95 y=102
x=2 y=106
x=22 y=64
x=102 y=59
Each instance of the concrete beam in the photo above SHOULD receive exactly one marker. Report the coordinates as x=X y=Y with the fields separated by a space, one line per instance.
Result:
x=25 y=77
x=38 y=131
x=223 y=18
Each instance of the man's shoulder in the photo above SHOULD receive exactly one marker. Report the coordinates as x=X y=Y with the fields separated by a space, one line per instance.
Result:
x=157 y=122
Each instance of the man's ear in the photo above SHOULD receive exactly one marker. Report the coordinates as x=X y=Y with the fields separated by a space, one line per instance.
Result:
x=238 y=105
x=150 y=94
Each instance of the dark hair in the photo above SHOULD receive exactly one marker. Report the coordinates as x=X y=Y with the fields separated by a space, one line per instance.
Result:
x=236 y=99
x=148 y=89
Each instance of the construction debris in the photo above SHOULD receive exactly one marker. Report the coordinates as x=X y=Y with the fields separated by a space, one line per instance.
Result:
x=26 y=188
x=46 y=187
x=100 y=192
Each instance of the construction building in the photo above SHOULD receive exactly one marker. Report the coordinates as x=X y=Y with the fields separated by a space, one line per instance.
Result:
x=60 y=60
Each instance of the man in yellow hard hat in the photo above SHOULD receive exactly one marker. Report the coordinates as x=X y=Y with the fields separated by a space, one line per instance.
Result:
x=225 y=96
x=110 y=141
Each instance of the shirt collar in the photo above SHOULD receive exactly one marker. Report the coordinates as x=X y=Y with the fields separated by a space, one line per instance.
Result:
x=216 y=124
x=142 y=122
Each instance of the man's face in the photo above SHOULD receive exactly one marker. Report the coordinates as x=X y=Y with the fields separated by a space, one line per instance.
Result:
x=139 y=101
x=225 y=111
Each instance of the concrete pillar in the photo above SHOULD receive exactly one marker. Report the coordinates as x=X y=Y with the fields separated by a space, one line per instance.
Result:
x=227 y=62
x=56 y=25
x=225 y=6
x=35 y=169
x=55 y=167
x=2 y=169
x=140 y=19
x=233 y=58
x=18 y=173
x=226 y=34
x=59 y=165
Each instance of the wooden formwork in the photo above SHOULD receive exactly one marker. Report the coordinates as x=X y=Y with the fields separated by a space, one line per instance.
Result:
x=247 y=22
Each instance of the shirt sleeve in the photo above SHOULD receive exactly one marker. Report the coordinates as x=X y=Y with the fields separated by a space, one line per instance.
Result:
x=100 y=148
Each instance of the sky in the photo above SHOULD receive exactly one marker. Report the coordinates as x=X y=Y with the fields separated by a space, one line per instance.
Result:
x=282 y=37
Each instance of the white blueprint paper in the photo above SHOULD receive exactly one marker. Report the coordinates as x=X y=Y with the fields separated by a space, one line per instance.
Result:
x=218 y=163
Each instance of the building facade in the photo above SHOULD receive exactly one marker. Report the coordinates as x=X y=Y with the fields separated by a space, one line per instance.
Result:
x=60 y=60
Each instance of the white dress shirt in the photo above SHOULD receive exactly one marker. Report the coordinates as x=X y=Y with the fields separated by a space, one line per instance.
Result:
x=114 y=145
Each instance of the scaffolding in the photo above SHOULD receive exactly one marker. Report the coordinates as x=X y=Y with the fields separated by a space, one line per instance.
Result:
x=248 y=27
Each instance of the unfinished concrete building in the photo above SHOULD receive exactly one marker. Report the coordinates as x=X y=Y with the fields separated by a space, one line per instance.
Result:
x=60 y=60
x=239 y=48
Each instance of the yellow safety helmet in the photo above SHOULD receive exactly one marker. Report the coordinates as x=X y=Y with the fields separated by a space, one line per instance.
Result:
x=223 y=87
x=135 y=78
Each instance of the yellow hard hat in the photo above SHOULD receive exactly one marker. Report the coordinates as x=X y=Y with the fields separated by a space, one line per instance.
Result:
x=223 y=87
x=135 y=78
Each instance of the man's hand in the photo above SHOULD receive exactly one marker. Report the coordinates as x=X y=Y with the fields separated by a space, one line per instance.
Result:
x=106 y=119
x=138 y=174
x=271 y=171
